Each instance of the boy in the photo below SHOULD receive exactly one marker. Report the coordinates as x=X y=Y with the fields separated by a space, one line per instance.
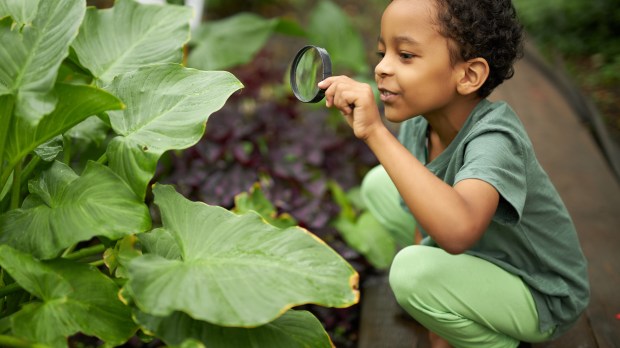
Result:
x=500 y=261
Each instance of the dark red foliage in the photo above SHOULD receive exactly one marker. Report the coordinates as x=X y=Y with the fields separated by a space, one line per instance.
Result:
x=293 y=150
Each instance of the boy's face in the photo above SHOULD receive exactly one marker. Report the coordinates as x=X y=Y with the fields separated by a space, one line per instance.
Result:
x=415 y=75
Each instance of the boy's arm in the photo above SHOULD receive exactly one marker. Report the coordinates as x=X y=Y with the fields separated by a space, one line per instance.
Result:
x=455 y=217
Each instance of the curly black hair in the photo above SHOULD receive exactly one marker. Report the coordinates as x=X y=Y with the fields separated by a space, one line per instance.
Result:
x=483 y=28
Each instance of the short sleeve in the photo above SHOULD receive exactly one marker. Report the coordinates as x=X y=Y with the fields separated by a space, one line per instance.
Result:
x=498 y=159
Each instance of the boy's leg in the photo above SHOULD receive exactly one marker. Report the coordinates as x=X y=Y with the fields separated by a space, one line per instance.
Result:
x=383 y=201
x=466 y=300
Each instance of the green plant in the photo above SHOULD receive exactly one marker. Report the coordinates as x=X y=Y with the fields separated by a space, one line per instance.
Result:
x=235 y=40
x=360 y=229
x=294 y=148
x=576 y=30
x=78 y=251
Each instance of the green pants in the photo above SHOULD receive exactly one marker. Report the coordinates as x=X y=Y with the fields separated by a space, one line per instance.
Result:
x=466 y=300
x=383 y=200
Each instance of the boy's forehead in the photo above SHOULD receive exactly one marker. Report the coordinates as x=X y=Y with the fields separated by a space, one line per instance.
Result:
x=410 y=10
x=404 y=39
x=404 y=20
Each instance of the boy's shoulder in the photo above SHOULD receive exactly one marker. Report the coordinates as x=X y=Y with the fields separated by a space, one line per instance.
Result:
x=495 y=116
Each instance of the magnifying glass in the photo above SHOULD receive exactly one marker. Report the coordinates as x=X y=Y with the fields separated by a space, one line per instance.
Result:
x=311 y=65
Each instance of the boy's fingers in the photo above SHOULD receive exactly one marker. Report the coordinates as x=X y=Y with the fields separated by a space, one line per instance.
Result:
x=325 y=83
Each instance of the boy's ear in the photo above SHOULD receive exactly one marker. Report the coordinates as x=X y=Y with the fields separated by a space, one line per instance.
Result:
x=473 y=74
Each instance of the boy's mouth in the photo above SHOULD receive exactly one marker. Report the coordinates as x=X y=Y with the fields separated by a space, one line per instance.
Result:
x=386 y=95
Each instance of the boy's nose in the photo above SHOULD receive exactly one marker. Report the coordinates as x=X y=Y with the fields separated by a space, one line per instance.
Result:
x=383 y=68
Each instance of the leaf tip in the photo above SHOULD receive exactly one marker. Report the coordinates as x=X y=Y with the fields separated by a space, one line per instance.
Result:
x=354 y=283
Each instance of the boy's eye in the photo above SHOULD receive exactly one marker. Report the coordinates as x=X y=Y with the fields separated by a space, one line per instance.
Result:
x=380 y=54
x=407 y=55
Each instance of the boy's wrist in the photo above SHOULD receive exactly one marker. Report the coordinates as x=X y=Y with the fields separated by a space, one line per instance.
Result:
x=375 y=133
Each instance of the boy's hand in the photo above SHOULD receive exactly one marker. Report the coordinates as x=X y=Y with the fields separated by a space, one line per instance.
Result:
x=355 y=101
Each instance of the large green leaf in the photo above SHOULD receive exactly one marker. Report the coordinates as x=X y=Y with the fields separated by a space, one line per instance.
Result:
x=167 y=108
x=236 y=270
x=75 y=298
x=294 y=329
x=32 y=49
x=130 y=35
x=229 y=42
x=49 y=150
x=64 y=209
x=75 y=103
x=91 y=130
x=23 y=12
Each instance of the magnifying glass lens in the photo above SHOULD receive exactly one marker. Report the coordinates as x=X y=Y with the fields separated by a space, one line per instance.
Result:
x=309 y=70
x=310 y=66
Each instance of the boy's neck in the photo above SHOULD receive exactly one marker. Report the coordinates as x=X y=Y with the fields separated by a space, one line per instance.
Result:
x=446 y=125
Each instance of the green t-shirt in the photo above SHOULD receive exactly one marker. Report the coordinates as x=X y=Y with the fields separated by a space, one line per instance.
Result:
x=531 y=234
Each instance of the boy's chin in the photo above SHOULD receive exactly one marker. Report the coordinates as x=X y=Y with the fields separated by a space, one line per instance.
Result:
x=396 y=116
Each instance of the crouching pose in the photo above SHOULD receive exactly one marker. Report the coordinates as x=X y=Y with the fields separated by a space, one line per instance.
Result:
x=499 y=261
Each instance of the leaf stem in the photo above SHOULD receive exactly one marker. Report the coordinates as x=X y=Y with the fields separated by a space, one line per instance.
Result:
x=69 y=250
x=11 y=341
x=66 y=144
x=16 y=189
x=103 y=159
x=97 y=263
x=4 y=177
x=9 y=289
x=30 y=167
x=82 y=253
x=6 y=114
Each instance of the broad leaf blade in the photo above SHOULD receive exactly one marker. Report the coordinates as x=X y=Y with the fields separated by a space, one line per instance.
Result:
x=130 y=35
x=370 y=238
x=255 y=200
x=167 y=109
x=160 y=242
x=68 y=209
x=294 y=329
x=364 y=234
x=22 y=11
x=78 y=298
x=229 y=42
x=75 y=103
x=236 y=270
x=91 y=130
x=49 y=150
x=35 y=277
x=32 y=51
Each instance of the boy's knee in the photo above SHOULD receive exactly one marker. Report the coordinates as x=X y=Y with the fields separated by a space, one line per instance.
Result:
x=409 y=274
x=382 y=200
x=373 y=184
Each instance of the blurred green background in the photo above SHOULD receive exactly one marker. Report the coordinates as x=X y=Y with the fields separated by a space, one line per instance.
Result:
x=581 y=38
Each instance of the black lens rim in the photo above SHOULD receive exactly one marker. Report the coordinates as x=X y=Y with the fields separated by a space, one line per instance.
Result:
x=327 y=72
